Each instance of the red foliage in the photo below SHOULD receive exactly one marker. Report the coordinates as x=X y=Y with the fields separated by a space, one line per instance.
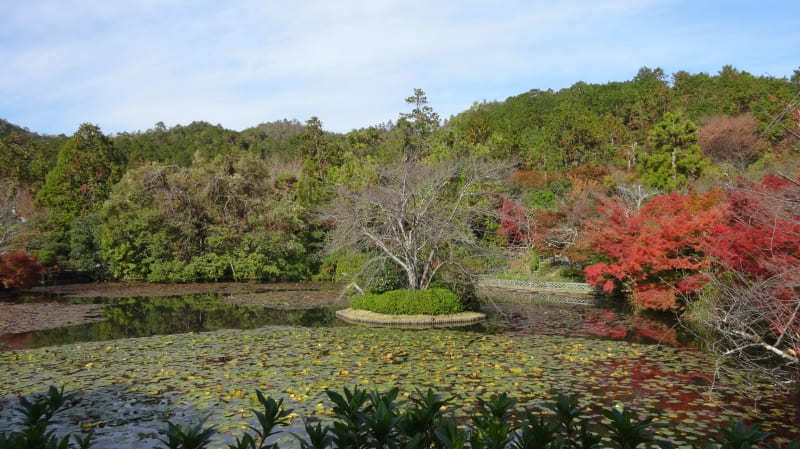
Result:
x=605 y=325
x=617 y=327
x=514 y=224
x=19 y=270
x=658 y=252
x=761 y=240
x=643 y=372
x=649 y=330
x=761 y=236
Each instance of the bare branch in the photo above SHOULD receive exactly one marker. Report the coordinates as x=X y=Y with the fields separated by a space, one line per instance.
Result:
x=414 y=213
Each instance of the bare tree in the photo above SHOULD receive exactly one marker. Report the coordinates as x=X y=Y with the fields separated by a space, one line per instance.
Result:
x=731 y=139
x=8 y=223
x=753 y=330
x=416 y=214
x=9 y=217
x=752 y=307
x=634 y=196
x=562 y=236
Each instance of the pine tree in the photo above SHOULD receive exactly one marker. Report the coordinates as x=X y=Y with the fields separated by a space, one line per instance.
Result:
x=675 y=155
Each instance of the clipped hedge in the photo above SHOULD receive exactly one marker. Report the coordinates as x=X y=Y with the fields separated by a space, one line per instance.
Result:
x=433 y=301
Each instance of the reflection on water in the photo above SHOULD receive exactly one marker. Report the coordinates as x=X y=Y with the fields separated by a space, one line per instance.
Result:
x=145 y=316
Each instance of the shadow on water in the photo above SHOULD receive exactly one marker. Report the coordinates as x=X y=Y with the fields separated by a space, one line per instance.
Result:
x=146 y=316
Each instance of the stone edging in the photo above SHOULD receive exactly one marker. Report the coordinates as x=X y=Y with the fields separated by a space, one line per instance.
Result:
x=539 y=286
x=517 y=297
x=367 y=318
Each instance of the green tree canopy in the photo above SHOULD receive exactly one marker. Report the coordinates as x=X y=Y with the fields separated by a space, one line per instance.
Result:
x=86 y=168
x=674 y=156
x=222 y=218
x=417 y=127
x=319 y=155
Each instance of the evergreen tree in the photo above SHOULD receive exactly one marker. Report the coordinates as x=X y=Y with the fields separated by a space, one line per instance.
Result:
x=675 y=155
x=417 y=127
x=317 y=154
x=86 y=168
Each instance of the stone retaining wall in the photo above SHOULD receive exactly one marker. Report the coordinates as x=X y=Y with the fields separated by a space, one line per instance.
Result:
x=367 y=318
x=525 y=292
x=579 y=288
x=520 y=297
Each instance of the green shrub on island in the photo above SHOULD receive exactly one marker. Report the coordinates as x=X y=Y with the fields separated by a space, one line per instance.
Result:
x=433 y=301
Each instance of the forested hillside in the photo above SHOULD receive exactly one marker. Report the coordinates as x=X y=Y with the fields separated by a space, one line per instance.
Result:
x=201 y=202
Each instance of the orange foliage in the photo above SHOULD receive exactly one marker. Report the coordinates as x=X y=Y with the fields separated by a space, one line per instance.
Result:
x=528 y=179
x=587 y=173
x=19 y=270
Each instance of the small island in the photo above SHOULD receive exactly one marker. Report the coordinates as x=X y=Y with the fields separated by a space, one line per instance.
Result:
x=421 y=309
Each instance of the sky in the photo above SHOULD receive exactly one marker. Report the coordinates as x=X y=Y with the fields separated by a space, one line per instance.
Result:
x=126 y=65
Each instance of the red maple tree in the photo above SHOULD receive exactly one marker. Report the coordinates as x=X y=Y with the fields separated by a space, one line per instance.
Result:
x=515 y=225
x=761 y=235
x=19 y=270
x=657 y=253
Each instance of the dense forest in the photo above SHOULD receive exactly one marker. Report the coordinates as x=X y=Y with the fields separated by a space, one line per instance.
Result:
x=201 y=202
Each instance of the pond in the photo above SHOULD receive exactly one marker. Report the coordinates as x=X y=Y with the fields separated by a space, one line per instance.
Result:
x=146 y=316
x=128 y=386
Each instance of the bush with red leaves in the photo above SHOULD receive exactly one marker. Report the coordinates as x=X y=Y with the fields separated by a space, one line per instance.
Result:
x=515 y=225
x=19 y=270
x=659 y=252
x=761 y=236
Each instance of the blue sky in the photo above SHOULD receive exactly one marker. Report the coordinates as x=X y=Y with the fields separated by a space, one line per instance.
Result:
x=126 y=65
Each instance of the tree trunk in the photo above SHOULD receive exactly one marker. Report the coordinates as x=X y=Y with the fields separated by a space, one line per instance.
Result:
x=675 y=164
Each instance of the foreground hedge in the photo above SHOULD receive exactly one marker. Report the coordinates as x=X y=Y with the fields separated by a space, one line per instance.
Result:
x=366 y=420
x=433 y=301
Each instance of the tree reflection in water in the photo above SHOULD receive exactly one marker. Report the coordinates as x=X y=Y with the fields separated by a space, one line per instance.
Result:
x=145 y=316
